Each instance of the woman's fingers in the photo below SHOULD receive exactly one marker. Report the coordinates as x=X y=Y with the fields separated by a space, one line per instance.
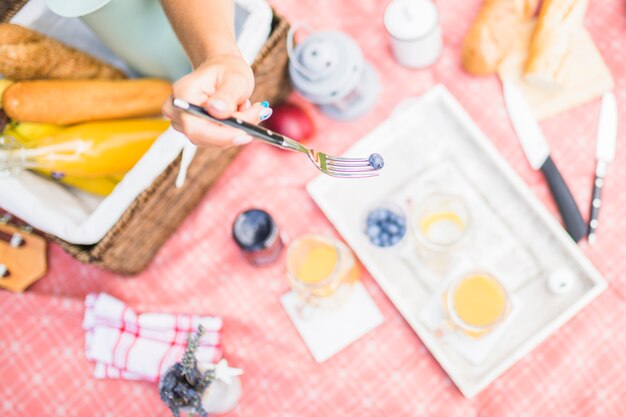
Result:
x=257 y=113
x=230 y=92
x=221 y=85
x=206 y=133
x=168 y=110
x=245 y=106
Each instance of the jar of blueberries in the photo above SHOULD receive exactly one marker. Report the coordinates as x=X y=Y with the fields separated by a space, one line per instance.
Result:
x=385 y=224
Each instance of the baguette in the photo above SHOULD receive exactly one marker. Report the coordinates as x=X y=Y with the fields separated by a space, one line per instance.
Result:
x=493 y=31
x=28 y=55
x=66 y=102
x=558 y=23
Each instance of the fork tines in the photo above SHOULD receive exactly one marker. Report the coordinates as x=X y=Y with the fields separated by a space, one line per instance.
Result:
x=350 y=167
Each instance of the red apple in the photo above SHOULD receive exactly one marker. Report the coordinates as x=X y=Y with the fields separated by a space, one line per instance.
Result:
x=292 y=121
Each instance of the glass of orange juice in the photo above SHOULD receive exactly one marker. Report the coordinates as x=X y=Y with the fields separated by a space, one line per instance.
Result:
x=442 y=226
x=320 y=269
x=476 y=303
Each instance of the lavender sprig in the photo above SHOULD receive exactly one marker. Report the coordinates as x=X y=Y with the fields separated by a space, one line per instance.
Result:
x=183 y=385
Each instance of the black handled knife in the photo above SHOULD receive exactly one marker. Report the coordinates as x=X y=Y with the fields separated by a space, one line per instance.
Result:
x=538 y=153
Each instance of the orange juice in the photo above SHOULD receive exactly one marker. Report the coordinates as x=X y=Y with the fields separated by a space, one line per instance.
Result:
x=479 y=301
x=88 y=150
x=442 y=227
x=317 y=266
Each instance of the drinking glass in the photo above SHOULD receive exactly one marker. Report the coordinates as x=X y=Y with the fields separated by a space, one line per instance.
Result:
x=320 y=270
x=476 y=303
x=442 y=226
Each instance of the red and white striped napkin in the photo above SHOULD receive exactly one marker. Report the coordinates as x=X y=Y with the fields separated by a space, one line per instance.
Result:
x=127 y=345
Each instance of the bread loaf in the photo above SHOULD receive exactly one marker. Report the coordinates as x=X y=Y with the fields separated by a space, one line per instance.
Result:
x=28 y=55
x=65 y=102
x=558 y=23
x=491 y=34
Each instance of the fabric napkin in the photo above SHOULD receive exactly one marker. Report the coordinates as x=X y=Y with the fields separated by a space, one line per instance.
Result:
x=127 y=345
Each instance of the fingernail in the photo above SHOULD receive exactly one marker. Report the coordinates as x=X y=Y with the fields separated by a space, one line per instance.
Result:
x=265 y=103
x=265 y=114
x=242 y=140
x=248 y=105
x=219 y=105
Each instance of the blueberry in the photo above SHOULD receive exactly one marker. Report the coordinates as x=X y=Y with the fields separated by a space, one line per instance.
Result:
x=392 y=229
x=376 y=161
x=385 y=227
x=379 y=214
x=373 y=231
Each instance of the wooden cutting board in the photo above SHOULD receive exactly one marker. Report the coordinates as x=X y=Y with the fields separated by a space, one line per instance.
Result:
x=25 y=263
x=585 y=74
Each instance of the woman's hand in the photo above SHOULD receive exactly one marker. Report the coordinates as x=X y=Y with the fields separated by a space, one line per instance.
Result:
x=222 y=85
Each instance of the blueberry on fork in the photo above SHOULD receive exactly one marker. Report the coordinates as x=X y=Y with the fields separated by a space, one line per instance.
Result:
x=376 y=161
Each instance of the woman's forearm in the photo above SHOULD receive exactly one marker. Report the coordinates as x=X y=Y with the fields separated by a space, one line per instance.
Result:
x=204 y=27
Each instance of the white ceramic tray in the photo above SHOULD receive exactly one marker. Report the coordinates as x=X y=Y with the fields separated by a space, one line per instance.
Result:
x=432 y=144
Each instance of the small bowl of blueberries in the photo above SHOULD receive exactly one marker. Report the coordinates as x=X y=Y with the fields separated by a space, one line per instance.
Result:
x=385 y=224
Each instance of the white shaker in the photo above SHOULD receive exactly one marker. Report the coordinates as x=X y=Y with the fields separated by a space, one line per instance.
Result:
x=413 y=27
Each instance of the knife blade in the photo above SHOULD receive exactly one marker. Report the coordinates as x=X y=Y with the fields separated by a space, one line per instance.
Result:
x=528 y=131
x=606 y=141
x=537 y=152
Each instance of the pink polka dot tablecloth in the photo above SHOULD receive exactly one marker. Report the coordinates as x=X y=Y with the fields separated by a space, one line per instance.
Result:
x=579 y=371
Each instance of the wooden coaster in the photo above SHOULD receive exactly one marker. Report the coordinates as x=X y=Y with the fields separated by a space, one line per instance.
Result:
x=22 y=258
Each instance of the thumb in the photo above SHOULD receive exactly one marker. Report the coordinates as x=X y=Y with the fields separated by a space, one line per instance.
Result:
x=231 y=91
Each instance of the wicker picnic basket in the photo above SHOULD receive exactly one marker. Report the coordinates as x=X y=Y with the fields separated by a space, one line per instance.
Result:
x=151 y=219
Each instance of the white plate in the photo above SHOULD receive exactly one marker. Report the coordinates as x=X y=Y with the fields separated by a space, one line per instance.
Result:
x=433 y=143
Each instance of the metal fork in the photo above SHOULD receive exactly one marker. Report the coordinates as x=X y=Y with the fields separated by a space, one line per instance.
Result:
x=330 y=165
